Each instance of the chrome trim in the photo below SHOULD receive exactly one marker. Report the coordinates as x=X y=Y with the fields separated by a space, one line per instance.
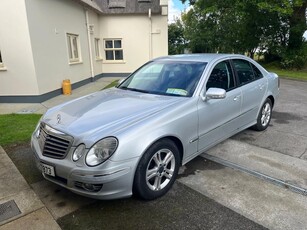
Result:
x=203 y=134
x=193 y=140
x=53 y=143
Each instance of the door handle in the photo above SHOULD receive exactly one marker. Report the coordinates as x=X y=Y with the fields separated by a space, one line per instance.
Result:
x=261 y=87
x=236 y=98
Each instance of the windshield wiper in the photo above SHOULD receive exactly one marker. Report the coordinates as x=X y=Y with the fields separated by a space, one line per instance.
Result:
x=134 y=89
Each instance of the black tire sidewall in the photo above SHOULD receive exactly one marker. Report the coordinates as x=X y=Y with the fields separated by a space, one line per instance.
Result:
x=140 y=187
x=259 y=126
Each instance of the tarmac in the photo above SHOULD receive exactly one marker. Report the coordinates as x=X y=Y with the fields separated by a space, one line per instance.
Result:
x=277 y=155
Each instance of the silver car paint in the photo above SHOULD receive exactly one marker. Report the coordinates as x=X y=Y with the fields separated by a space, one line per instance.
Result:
x=138 y=120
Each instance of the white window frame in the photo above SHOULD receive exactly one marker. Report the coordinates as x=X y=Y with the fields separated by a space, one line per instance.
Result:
x=97 y=49
x=113 y=49
x=73 y=47
x=2 y=67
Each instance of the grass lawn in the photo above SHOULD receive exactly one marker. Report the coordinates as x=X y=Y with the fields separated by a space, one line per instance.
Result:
x=296 y=75
x=290 y=74
x=17 y=128
x=112 y=84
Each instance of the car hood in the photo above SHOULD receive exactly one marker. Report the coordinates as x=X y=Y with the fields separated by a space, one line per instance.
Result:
x=111 y=109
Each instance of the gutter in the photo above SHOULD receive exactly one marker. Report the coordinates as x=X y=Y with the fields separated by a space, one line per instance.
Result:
x=89 y=44
x=150 y=34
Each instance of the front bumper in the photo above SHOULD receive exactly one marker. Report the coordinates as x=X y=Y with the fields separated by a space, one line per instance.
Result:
x=111 y=180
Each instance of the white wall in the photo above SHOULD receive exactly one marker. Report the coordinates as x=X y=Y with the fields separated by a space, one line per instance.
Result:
x=34 y=50
x=135 y=32
x=49 y=21
x=159 y=40
x=15 y=46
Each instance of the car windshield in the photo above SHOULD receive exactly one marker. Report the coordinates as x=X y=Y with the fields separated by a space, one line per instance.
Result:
x=174 y=78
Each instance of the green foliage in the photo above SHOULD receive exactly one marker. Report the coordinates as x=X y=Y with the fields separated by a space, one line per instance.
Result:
x=269 y=27
x=112 y=84
x=17 y=128
x=176 y=40
x=225 y=26
x=295 y=59
x=289 y=74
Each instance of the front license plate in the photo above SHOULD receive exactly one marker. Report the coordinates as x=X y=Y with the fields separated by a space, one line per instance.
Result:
x=48 y=169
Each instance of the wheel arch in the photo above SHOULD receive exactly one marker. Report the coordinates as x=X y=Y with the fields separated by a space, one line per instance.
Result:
x=178 y=143
x=272 y=100
x=175 y=140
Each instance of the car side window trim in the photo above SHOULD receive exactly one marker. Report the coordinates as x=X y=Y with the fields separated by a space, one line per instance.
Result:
x=252 y=66
x=230 y=71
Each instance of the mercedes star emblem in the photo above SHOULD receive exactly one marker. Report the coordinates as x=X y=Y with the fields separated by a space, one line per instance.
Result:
x=58 y=117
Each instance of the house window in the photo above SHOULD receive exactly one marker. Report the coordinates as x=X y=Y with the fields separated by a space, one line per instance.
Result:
x=73 y=48
x=97 y=48
x=1 y=63
x=114 y=50
x=2 y=67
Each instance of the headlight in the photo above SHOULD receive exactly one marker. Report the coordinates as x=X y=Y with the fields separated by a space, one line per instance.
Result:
x=101 y=151
x=37 y=128
x=78 y=153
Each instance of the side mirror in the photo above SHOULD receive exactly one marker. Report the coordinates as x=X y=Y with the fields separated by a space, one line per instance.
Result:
x=214 y=93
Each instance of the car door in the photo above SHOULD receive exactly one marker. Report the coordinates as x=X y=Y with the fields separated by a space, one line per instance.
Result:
x=218 y=117
x=253 y=86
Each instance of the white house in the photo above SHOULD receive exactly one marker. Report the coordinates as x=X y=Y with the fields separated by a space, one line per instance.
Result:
x=43 y=42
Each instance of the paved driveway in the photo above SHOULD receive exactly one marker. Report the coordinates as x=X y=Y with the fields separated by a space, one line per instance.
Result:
x=287 y=133
x=219 y=198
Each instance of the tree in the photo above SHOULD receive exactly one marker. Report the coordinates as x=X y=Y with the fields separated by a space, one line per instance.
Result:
x=176 y=40
x=224 y=26
x=275 y=27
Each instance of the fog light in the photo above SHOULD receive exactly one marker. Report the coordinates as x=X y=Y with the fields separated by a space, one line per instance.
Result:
x=88 y=187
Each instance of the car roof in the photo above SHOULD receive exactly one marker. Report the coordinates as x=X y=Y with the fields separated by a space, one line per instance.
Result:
x=209 y=57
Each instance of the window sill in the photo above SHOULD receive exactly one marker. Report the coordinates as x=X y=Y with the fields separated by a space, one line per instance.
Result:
x=75 y=63
x=2 y=68
x=114 y=62
x=99 y=59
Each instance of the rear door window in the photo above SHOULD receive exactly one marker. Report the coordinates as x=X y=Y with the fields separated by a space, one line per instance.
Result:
x=257 y=72
x=244 y=71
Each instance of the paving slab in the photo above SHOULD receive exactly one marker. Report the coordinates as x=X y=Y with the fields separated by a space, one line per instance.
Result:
x=40 y=219
x=11 y=180
x=274 y=164
x=14 y=187
x=27 y=202
x=40 y=108
x=266 y=204
x=286 y=143
x=287 y=132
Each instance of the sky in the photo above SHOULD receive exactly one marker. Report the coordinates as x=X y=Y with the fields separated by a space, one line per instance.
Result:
x=175 y=9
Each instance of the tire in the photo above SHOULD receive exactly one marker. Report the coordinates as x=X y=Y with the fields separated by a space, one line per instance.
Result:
x=157 y=170
x=264 y=116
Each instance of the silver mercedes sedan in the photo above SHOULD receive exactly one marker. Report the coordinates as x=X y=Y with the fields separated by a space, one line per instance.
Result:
x=133 y=138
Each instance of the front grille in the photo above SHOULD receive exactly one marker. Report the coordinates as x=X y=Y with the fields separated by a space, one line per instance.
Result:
x=53 y=143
